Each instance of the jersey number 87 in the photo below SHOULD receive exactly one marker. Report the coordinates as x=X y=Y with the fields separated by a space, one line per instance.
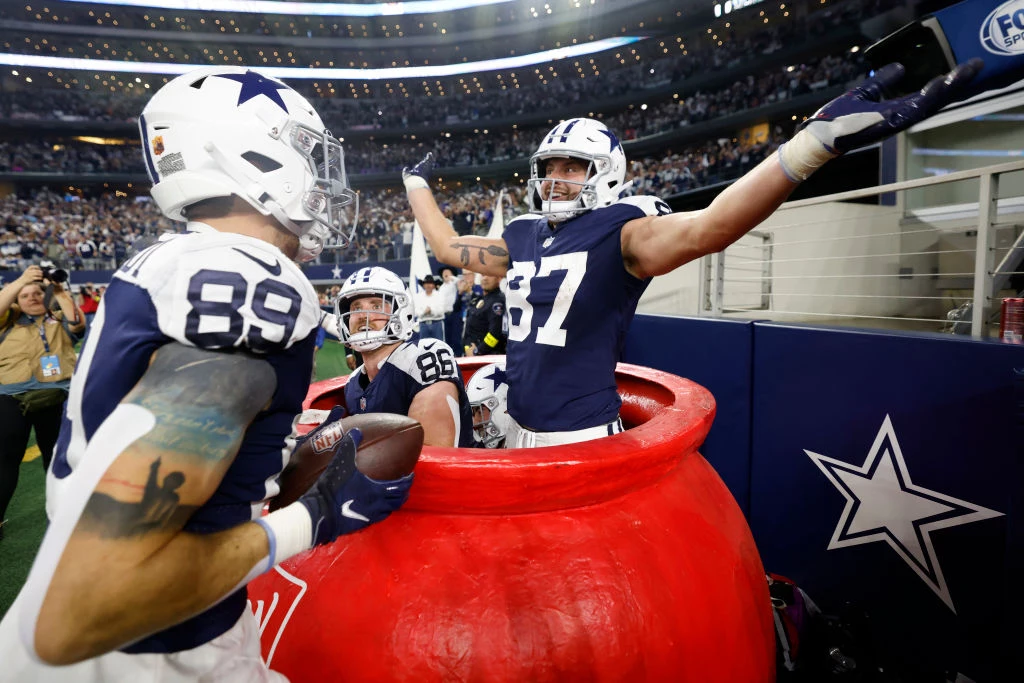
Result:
x=520 y=280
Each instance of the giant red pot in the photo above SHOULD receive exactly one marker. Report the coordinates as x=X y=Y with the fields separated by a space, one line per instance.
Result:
x=621 y=559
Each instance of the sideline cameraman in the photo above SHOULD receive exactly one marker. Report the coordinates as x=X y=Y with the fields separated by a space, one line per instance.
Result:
x=37 y=357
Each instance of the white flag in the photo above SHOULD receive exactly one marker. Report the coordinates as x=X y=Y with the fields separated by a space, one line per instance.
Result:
x=419 y=265
x=498 y=222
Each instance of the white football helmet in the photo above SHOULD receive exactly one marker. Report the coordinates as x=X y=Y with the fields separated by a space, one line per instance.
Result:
x=591 y=142
x=488 y=388
x=375 y=281
x=221 y=131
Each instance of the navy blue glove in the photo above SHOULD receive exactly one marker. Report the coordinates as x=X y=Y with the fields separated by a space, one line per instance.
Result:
x=337 y=412
x=344 y=500
x=419 y=175
x=861 y=117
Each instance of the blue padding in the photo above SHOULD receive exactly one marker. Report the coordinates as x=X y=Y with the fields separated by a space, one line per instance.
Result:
x=716 y=354
x=951 y=404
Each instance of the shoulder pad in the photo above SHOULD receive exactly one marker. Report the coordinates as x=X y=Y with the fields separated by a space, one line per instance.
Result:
x=651 y=206
x=220 y=290
x=425 y=360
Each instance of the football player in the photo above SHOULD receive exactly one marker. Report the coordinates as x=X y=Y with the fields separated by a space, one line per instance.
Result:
x=577 y=265
x=416 y=378
x=488 y=395
x=181 y=411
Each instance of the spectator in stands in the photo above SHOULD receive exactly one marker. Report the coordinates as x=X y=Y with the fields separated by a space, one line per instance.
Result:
x=431 y=307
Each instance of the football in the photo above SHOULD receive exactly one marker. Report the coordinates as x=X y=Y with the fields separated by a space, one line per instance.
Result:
x=389 y=450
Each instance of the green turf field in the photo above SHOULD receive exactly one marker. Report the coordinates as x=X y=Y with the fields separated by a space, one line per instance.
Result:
x=26 y=518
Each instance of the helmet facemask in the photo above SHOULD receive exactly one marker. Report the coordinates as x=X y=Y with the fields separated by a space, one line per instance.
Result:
x=397 y=306
x=366 y=338
x=487 y=432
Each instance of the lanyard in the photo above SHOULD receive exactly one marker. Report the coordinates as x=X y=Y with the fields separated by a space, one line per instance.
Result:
x=42 y=333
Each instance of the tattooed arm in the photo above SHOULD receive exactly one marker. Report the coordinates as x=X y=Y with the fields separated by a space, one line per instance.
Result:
x=478 y=254
x=116 y=565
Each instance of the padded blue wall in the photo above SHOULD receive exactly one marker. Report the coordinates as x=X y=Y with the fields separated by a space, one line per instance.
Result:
x=884 y=472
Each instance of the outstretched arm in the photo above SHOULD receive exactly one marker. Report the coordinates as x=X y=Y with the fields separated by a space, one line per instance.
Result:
x=659 y=244
x=479 y=254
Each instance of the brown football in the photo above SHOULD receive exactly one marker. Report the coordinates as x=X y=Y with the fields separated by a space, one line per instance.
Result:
x=390 y=448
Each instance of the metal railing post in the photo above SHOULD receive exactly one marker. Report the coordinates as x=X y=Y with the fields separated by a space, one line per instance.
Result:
x=984 y=253
x=717 y=283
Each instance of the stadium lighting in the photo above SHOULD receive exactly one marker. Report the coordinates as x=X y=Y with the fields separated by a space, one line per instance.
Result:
x=284 y=72
x=321 y=9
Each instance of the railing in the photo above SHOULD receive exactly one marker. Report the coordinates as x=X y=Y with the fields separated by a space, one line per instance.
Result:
x=879 y=264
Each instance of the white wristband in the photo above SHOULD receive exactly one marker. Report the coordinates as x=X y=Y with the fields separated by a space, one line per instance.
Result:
x=803 y=155
x=289 y=531
x=415 y=182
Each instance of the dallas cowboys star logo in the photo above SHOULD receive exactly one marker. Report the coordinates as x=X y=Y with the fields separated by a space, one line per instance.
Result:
x=336 y=272
x=254 y=85
x=612 y=140
x=882 y=504
x=497 y=376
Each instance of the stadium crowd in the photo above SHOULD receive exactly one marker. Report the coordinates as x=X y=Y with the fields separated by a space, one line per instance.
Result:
x=396 y=112
x=95 y=233
x=479 y=149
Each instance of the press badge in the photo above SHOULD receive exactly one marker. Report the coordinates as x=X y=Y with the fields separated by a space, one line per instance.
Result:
x=51 y=365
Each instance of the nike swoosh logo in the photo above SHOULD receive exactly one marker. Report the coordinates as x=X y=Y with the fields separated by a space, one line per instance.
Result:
x=427 y=347
x=347 y=511
x=273 y=270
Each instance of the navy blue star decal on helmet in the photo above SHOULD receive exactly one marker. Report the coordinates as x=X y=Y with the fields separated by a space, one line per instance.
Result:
x=254 y=85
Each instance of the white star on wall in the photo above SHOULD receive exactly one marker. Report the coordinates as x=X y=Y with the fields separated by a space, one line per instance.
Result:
x=882 y=504
x=336 y=272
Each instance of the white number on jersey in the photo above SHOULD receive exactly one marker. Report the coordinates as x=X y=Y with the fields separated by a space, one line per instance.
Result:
x=435 y=364
x=215 y=320
x=574 y=266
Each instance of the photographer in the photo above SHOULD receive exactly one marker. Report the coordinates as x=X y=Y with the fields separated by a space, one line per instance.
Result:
x=37 y=357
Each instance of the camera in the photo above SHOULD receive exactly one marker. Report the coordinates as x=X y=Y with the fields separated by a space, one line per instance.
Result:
x=937 y=42
x=53 y=273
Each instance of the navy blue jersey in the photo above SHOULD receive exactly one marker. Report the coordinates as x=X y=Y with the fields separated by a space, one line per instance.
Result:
x=570 y=301
x=210 y=290
x=411 y=368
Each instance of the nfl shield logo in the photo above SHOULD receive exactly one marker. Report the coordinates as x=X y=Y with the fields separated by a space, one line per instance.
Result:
x=325 y=440
x=362 y=403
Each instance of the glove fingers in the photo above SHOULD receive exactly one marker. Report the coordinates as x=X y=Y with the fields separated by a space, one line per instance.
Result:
x=944 y=89
x=885 y=78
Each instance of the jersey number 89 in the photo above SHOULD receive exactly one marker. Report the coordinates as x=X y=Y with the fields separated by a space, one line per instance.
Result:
x=229 y=309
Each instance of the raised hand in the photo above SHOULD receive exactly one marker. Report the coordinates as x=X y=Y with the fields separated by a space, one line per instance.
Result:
x=861 y=116
x=419 y=175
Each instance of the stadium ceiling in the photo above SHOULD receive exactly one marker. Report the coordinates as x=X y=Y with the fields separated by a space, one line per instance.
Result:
x=174 y=68
x=321 y=9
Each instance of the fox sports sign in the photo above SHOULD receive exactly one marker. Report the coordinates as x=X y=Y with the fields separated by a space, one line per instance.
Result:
x=1002 y=32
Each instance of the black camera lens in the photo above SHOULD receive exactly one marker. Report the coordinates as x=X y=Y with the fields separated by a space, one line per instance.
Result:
x=57 y=275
